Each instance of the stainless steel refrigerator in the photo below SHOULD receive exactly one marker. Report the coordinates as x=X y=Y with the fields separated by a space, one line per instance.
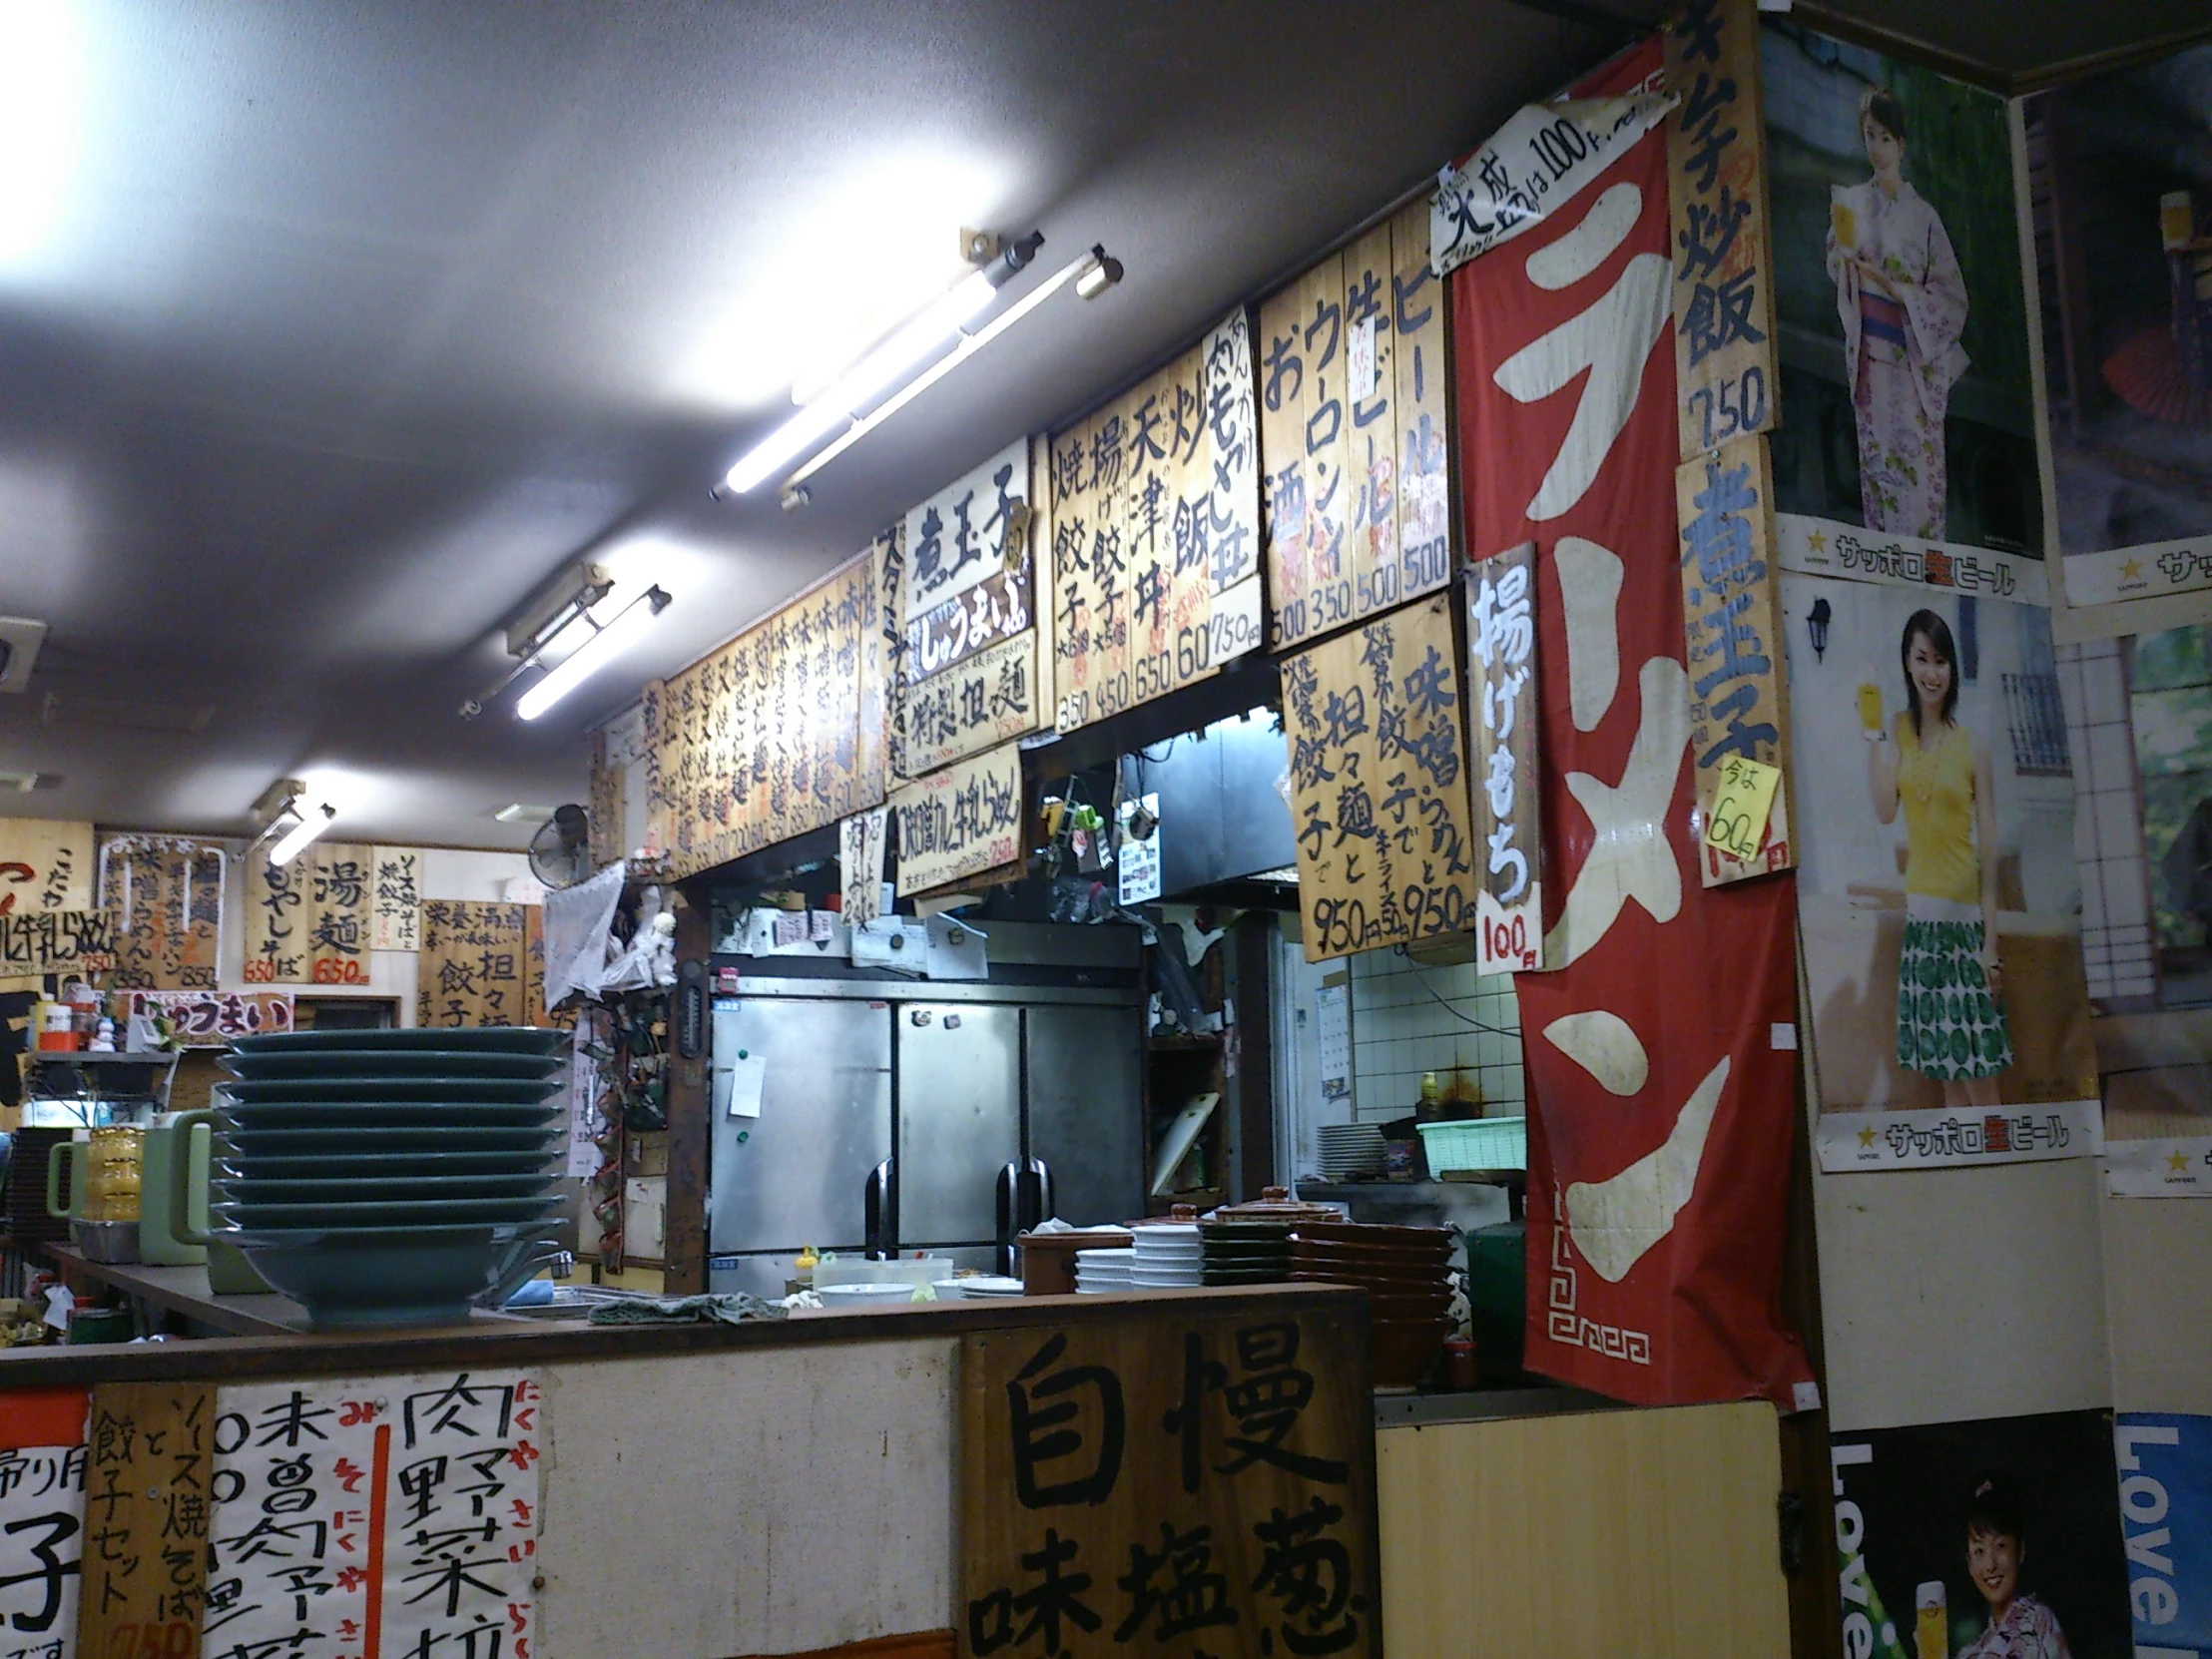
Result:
x=899 y=1114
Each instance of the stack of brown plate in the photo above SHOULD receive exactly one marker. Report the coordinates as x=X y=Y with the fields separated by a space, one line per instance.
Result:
x=1250 y=1244
x=1403 y=1271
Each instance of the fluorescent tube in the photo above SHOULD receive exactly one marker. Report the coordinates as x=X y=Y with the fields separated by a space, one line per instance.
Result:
x=313 y=821
x=611 y=639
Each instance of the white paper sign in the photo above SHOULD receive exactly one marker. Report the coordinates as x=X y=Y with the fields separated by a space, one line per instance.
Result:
x=2171 y=1168
x=1827 y=547
x=1941 y=1138
x=746 y=1074
x=42 y=1512
x=861 y=864
x=1332 y=1012
x=1138 y=860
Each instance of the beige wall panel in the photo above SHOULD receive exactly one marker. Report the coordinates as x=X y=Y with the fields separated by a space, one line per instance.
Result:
x=2158 y=1263
x=1617 y=1532
x=819 y=1511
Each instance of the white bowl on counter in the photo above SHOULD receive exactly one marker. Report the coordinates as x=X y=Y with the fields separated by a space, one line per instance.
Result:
x=865 y=1296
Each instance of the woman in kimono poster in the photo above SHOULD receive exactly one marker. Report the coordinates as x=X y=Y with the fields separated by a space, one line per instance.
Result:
x=1902 y=302
x=1907 y=399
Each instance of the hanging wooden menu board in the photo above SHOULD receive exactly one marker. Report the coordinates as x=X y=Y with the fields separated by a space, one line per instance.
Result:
x=396 y=899
x=1195 y=1479
x=480 y=965
x=967 y=674
x=1732 y=640
x=959 y=822
x=1386 y=847
x=45 y=864
x=36 y=942
x=164 y=898
x=150 y=1464
x=211 y=1019
x=1353 y=433
x=1156 y=534
x=311 y=922
x=1726 y=368
x=1502 y=738
x=766 y=739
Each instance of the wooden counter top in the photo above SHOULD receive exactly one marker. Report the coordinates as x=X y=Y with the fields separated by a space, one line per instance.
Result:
x=184 y=1290
x=490 y=1341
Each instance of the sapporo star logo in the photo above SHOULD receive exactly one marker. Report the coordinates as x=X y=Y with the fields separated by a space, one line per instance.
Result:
x=1818 y=541
x=2131 y=569
x=1865 y=1138
x=2177 y=1161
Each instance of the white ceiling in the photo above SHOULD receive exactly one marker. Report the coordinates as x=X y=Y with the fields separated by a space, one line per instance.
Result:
x=329 y=333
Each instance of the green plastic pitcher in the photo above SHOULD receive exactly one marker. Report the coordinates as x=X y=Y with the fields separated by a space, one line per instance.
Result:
x=229 y=1271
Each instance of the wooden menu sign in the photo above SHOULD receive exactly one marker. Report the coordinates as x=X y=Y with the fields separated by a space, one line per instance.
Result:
x=1353 y=433
x=56 y=942
x=1502 y=739
x=149 y=1474
x=1732 y=640
x=396 y=899
x=985 y=700
x=1724 y=360
x=1186 y=1478
x=311 y=922
x=959 y=822
x=1155 y=569
x=481 y=964
x=769 y=736
x=164 y=898
x=45 y=864
x=1386 y=847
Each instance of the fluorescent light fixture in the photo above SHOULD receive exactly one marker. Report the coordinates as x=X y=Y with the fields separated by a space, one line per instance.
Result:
x=313 y=821
x=968 y=346
x=42 y=85
x=942 y=322
x=609 y=642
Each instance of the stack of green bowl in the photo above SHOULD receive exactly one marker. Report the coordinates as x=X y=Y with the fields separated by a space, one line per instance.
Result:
x=392 y=1177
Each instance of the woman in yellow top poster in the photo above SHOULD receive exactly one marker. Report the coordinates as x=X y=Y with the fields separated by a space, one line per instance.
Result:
x=1951 y=980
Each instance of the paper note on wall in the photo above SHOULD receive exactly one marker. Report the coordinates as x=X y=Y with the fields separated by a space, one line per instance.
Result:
x=1334 y=1007
x=748 y=1074
x=1741 y=805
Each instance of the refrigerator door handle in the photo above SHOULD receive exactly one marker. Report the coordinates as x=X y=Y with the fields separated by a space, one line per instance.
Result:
x=1007 y=1206
x=880 y=1209
x=1042 y=1193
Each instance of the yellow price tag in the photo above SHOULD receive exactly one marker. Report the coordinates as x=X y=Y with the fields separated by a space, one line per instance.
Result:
x=1737 y=824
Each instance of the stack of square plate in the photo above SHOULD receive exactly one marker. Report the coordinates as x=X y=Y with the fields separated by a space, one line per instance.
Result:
x=391 y=1177
x=1246 y=1252
x=1349 y=1151
x=1167 y=1256
x=1104 y=1271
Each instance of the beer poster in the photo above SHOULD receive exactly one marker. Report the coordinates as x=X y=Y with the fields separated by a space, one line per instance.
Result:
x=1154 y=563
x=1992 y=1537
x=2165 y=1469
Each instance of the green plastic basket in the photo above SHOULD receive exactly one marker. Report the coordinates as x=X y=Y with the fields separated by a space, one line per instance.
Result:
x=1475 y=1143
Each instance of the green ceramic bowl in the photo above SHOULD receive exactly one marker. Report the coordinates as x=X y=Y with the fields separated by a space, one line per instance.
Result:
x=378 y=1114
x=479 y=1039
x=338 y=1064
x=355 y=1277
x=337 y=1185
x=429 y=1164
x=428 y=1212
x=242 y=1144
x=495 y=1090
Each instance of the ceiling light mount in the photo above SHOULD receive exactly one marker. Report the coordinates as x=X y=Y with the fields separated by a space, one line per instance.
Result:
x=551 y=612
x=284 y=813
x=607 y=640
x=1100 y=272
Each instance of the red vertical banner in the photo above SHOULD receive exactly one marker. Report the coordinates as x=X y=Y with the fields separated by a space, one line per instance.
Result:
x=1661 y=1082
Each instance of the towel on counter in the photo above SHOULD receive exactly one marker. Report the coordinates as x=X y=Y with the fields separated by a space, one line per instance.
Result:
x=734 y=1309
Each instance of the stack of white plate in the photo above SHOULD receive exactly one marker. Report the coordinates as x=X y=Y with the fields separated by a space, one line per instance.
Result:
x=976 y=1288
x=1169 y=1256
x=1104 y=1271
x=1349 y=1151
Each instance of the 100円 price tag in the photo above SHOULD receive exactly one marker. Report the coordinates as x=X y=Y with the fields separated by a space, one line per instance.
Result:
x=1738 y=825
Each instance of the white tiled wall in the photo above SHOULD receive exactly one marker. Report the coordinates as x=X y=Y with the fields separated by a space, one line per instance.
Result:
x=1400 y=1030
x=2117 y=942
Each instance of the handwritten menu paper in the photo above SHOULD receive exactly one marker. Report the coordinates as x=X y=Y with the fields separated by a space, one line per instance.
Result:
x=42 y=1516
x=164 y=896
x=764 y=738
x=383 y=1517
x=958 y=540
x=309 y=921
x=480 y=965
x=1200 y=1484
x=1732 y=638
x=396 y=899
x=45 y=864
x=860 y=865
x=1724 y=332
x=55 y=942
x=149 y=1479
x=1501 y=730
x=1155 y=568
x=959 y=822
x=1385 y=848
x=1352 y=433
x=211 y=1019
